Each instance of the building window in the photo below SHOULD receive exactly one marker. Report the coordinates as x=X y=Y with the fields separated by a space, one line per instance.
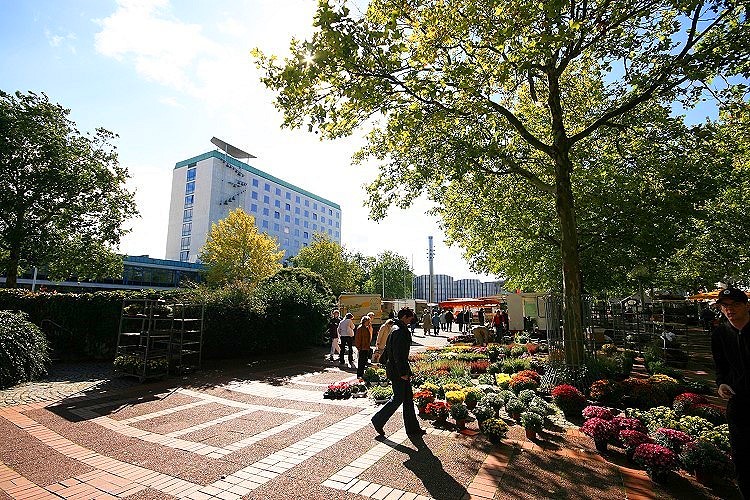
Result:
x=296 y=243
x=322 y=219
x=307 y=213
x=315 y=216
x=296 y=210
x=330 y=212
x=185 y=243
x=286 y=241
x=255 y=183
x=287 y=218
x=266 y=199
x=189 y=200
x=278 y=192
x=307 y=203
x=254 y=195
x=296 y=232
x=338 y=215
x=190 y=174
x=254 y=207
x=267 y=187
x=286 y=231
x=275 y=227
x=288 y=195
x=330 y=222
x=288 y=206
x=187 y=215
x=315 y=227
x=190 y=187
x=315 y=206
x=265 y=211
x=265 y=224
x=337 y=224
x=276 y=215
x=330 y=233
x=184 y=255
x=296 y=199
x=306 y=235
x=186 y=228
x=277 y=204
x=296 y=220
x=336 y=233
x=307 y=224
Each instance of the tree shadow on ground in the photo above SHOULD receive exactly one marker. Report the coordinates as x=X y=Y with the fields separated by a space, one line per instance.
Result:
x=429 y=469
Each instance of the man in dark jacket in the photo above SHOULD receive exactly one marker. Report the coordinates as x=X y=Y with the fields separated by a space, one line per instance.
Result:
x=730 y=344
x=398 y=371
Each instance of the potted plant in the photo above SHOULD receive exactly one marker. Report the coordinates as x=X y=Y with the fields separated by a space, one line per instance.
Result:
x=532 y=422
x=521 y=383
x=422 y=399
x=482 y=412
x=656 y=459
x=597 y=411
x=601 y=431
x=438 y=411
x=494 y=428
x=515 y=407
x=472 y=396
x=705 y=460
x=672 y=439
x=685 y=400
x=630 y=440
x=569 y=399
x=459 y=413
x=502 y=380
x=381 y=394
x=455 y=397
x=606 y=391
x=338 y=391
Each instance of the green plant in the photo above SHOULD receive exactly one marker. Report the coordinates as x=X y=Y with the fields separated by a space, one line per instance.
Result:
x=380 y=392
x=373 y=375
x=24 y=350
x=492 y=399
x=486 y=379
x=502 y=380
x=494 y=428
x=661 y=416
x=459 y=411
x=532 y=421
x=515 y=406
x=719 y=437
x=694 y=426
x=540 y=406
x=483 y=412
x=704 y=456
x=606 y=391
x=514 y=365
x=518 y=351
x=429 y=386
x=609 y=349
x=473 y=395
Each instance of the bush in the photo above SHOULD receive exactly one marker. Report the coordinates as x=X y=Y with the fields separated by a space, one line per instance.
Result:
x=532 y=421
x=459 y=411
x=519 y=384
x=682 y=402
x=379 y=392
x=492 y=399
x=607 y=392
x=502 y=380
x=672 y=439
x=526 y=395
x=597 y=411
x=704 y=456
x=23 y=349
x=569 y=399
x=515 y=406
x=494 y=428
x=483 y=412
x=518 y=350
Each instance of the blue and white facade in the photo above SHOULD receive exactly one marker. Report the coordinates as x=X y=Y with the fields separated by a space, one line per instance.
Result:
x=207 y=187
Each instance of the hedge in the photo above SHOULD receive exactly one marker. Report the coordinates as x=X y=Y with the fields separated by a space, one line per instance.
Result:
x=284 y=313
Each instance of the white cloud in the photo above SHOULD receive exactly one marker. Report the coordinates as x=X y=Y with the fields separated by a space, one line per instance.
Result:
x=57 y=40
x=171 y=101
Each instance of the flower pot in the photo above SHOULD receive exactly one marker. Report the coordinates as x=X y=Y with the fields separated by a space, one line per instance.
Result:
x=530 y=434
x=601 y=446
x=421 y=411
x=658 y=476
x=471 y=404
x=515 y=416
x=629 y=454
x=460 y=424
x=703 y=476
x=441 y=420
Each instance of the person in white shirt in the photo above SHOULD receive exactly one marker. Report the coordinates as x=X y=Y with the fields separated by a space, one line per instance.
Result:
x=346 y=337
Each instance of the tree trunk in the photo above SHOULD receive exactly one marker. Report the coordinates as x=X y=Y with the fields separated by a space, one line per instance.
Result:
x=11 y=274
x=571 y=270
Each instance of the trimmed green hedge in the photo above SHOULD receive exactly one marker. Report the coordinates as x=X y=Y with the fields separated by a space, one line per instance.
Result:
x=23 y=350
x=284 y=313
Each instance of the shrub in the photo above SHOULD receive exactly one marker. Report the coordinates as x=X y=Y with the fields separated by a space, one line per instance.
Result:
x=630 y=424
x=502 y=380
x=686 y=399
x=704 y=456
x=24 y=350
x=526 y=395
x=438 y=410
x=532 y=421
x=540 y=406
x=672 y=439
x=494 y=400
x=459 y=411
x=518 y=350
x=514 y=365
x=568 y=398
x=606 y=391
x=486 y=379
x=515 y=406
x=374 y=375
x=454 y=397
x=630 y=439
x=422 y=398
x=483 y=412
x=694 y=426
x=473 y=395
x=661 y=416
x=597 y=411
x=518 y=384
x=718 y=437
x=600 y=430
x=479 y=366
x=506 y=395
x=494 y=428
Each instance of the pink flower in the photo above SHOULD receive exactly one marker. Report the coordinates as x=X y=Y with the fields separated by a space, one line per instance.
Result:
x=599 y=429
x=655 y=457
x=633 y=424
x=672 y=439
x=597 y=411
x=631 y=439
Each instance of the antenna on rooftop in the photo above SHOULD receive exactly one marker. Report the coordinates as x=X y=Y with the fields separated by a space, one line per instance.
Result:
x=231 y=150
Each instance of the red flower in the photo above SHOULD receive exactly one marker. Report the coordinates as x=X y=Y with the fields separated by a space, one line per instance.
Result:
x=528 y=374
x=597 y=411
x=655 y=457
x=568 y=398
x=687 y=399
x=599 y=429
x=631 y=424
x=672 y=439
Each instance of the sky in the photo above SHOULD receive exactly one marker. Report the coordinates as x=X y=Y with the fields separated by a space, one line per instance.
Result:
x=166 y=76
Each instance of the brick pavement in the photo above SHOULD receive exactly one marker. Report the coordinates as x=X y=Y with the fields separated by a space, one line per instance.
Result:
x=264 y=431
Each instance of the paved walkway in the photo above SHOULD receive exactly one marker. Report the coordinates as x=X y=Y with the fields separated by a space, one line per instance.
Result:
x=262 y=430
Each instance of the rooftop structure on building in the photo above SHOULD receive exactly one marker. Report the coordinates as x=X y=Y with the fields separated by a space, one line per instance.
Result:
x=205 y=188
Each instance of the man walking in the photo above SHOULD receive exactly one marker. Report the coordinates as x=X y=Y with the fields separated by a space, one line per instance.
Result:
x=398 y=371
x=730 y=344
x=346 y=337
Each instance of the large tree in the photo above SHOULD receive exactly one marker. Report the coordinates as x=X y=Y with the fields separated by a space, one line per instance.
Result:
x=391 y=276
x=330 y=260
x=440 y=83
x=63 y=199
x=236 y=251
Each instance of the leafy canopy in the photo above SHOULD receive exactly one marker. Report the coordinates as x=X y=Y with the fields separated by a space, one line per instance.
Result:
x=330 y=260
x=64 y=199
x=236 y=251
